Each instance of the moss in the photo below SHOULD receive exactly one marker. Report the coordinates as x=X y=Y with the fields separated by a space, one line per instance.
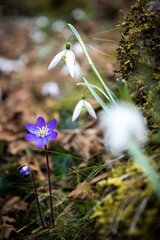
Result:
x=127 y=192
x=139 y=59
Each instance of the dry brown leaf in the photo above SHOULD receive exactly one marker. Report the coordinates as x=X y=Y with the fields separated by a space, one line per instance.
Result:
x=17 y=146
x=82 y=142
x=6 y=227
x=14 y=203
x=82 y=191
x=99 y=177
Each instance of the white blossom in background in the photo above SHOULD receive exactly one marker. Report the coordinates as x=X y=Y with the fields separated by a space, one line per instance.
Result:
x=68 y=57
x=42 y=21
x=77 y=70
x=123 y=123
x=37 y=35
x=52 y=89
x=81 y=105
x=77 y=49
x=78 y=14
x=9 y=65
x=58 y=26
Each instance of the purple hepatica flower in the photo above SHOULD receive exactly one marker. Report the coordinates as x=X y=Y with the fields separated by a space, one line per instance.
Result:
x=41 y=133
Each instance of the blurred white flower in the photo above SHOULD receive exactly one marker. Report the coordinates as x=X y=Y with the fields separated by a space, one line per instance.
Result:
x=82 y=104
x=9 y=65
x=42 y=21
x=52 y=89
x=37 y=35
x=77 y=70
x=69 y=58
x=77 y=49
x=123 y=123
x=58 y=26
x=78 y=14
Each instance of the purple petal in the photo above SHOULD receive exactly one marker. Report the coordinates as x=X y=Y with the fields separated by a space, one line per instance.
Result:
x=41 y=122
x=51 y=125
x=52 y=136
x=31 y=127
x=41 y=142
x=31 y=137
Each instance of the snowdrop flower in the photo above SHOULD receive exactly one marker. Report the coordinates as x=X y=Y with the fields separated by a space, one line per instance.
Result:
x=77 y=70
x=9 y=65
x=78 y=14
x=52 y=89
x=77 y=49
x=42 y=21
x=37 y=35
x=123 y=123
x=58 y=26
x=82 y=104
x=69 y=58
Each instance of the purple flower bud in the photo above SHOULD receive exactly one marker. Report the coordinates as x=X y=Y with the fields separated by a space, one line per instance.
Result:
x=25 y=171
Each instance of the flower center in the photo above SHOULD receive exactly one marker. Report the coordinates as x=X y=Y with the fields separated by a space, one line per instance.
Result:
x=83 y=108
x=42 y=132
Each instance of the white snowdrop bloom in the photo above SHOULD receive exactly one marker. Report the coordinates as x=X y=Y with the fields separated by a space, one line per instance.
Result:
x=123 y=123
x=77 y=49
x=42 y=21
x=78 y=14
x=52 y=89
x=69 y=58
x=9 y=65
x=82 y=104
x=58 y=26
x=77 y=70
x=37 y=35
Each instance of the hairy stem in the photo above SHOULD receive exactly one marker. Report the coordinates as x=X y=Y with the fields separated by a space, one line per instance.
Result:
x=50 y=187
x=38 y=205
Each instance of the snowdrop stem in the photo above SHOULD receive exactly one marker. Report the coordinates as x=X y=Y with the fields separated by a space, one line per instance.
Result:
x=72 y=36
x=108 y=91
x=142 y=159
x=50 y=186
x=94 y=86
x=37 y=201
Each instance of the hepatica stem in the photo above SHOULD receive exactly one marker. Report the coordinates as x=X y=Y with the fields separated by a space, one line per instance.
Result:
x=37 y=200
x=50 y=186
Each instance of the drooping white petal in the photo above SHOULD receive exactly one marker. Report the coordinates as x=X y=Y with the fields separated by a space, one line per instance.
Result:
x=77 y=70
x=77 y=110
x=70 y=61
x=56 y=59
x=77 y=49
x=90 y=109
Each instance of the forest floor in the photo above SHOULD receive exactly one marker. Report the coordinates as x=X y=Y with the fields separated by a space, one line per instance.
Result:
x=96 y=195
x=22 y=101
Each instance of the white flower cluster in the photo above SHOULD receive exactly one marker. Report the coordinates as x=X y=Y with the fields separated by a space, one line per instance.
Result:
x=71 y=65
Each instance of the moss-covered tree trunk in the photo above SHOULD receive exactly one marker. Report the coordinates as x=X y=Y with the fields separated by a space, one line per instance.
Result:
x=139 y=57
